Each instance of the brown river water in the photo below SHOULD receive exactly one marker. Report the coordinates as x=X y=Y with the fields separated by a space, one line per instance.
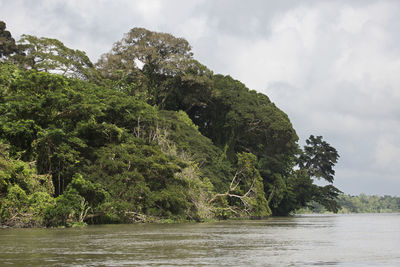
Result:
x=308 y=240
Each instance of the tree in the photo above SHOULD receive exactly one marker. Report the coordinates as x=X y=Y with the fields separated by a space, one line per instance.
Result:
x=150 y=132
x=162 y=65
x=154 y=53
x=24 y=195
x=51 y=55
x=319 y=158
x=240 y=120
x=7 y=43
x=245 y=195
x=297 y=190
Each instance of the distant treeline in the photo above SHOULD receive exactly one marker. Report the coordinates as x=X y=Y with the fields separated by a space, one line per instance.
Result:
x=359 y=204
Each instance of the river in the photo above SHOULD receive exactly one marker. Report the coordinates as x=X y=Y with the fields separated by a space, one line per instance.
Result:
x=317 y=240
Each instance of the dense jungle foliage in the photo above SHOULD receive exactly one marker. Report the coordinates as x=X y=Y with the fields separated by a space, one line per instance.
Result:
x=146 y=134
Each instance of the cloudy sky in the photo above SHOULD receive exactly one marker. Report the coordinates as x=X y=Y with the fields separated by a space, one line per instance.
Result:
x=332 y=66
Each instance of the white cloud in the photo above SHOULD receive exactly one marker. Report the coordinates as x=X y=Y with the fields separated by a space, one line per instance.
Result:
x=333 y=66
x=387 y=153
x=351 y=19
x=302 y=22
x=367 y=181
x=196 y=28
x=149 y=9
x=335 y=76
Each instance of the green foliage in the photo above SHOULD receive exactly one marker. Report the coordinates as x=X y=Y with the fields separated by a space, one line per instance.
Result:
x=159 y=53
x=148 y=134
x=131 y=172
x=198 y=191
x=24 y=195
x=164 y=67
x=239 y=120
x=72 y=207
x=298 y=193
x=245 y=195
x=319 y=158
x=368 y=204
x=8 y=74
x=250 y=186
x=315 y=161
x=16 y=198
x=170 y=201
x=182 y=116
x=51 y=55
x=327 y=196
x=359 y=204
x=69 y=207
x=7 y=43
x=185 y=135
x=39 y=204
x=93 y=193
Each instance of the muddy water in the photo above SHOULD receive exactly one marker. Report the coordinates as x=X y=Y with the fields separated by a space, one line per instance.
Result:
x=338 y=240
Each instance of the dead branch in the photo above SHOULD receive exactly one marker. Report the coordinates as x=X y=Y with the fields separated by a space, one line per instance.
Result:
x=232 y=187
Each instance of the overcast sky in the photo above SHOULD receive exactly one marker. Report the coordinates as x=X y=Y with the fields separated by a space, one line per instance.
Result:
x=332 y=66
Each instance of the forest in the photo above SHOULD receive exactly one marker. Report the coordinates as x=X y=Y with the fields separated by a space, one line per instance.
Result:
x=145 y=134
x=358 y=204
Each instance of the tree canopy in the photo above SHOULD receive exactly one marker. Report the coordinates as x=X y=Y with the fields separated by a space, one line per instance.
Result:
x=145 y=134
x=7 y=42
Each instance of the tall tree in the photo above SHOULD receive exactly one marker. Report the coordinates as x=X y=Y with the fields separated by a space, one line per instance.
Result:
x=51 y=55
x=161 y=65
x=319 y=158
x=241 y=120
x=315 y=161
x=155 y=53
x=7 y=42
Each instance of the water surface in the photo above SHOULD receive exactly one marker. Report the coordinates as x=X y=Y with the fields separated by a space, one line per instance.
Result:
x=337 y=240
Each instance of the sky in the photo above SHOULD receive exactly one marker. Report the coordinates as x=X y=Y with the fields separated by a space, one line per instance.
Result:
x=332 y=66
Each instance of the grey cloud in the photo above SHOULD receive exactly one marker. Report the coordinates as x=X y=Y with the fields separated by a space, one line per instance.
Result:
x=334 y=78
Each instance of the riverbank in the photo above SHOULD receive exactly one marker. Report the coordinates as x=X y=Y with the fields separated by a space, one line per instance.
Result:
x=149 y=220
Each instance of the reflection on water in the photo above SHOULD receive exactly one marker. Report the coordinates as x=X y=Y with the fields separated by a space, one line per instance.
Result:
x=344 y=240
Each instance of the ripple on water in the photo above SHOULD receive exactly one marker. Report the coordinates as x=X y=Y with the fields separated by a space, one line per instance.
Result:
x=340 y=240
